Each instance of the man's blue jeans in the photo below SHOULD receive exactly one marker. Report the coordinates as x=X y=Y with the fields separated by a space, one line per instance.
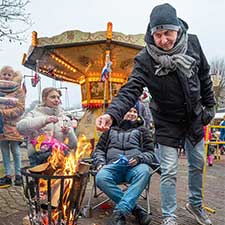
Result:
x=6 y=147
x=169 y=163
x=111 y=175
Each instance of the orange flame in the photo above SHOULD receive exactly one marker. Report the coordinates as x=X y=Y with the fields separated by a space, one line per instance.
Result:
x=65 y=165
x=84 y=148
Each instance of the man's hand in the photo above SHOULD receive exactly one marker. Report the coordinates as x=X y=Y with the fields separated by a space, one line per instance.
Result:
x=208 y=114
x=104 y=122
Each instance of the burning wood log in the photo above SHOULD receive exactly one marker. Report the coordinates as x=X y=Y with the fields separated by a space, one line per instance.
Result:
x=83 y=167
x=55 y=193
x=42 y=168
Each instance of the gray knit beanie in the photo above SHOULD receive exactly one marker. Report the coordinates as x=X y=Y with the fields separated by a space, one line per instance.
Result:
x=164 y=17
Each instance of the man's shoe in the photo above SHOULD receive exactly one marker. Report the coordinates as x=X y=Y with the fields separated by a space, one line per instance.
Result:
x=199 y=214
x=142 y=217
x=117 y=218
x=169 y=221
x=5 y=182
x=18 y=181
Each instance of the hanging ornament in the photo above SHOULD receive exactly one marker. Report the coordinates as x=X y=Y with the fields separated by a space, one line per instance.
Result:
x=35 y=79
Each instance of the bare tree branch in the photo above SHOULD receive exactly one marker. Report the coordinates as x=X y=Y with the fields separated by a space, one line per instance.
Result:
x=13 y=16
x=218 y=70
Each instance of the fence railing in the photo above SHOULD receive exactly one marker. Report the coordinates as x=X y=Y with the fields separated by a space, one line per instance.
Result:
x=207 y=142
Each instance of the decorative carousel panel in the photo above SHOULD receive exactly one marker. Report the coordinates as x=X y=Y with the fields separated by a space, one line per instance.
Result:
x=97 y=90
x=115 y=88
x=83 y=92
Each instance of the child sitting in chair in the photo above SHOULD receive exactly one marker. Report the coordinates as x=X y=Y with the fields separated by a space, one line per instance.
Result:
x=125 y=154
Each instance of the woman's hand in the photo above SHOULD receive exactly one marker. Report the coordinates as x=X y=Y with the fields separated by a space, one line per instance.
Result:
x=65 y=129
x=12 y=101
x=52 y=119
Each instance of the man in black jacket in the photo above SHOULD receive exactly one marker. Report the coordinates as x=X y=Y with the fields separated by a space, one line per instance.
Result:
x=174 y=69
x=124 y=154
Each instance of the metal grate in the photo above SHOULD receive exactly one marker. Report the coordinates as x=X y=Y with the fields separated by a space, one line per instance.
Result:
x=64 y=210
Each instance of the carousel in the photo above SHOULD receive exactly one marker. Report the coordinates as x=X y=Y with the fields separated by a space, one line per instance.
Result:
x=99 y=62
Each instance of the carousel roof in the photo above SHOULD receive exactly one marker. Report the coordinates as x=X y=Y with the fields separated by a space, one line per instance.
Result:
x=74 y=55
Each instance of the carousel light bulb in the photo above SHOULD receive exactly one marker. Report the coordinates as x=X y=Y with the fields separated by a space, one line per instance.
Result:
x=34 y=38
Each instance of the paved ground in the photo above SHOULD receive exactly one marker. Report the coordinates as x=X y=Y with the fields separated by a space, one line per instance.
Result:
x=13 y=207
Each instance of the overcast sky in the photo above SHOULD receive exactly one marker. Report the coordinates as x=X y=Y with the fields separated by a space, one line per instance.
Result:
x=52 y=17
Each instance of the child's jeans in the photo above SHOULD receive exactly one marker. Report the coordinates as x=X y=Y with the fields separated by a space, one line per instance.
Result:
x=6 y=147
x=111 y=175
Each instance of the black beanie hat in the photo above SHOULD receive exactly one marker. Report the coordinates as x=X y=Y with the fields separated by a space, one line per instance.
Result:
x=164 y=17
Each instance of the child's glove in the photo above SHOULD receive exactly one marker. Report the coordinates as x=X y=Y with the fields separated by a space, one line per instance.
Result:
x=122 y=160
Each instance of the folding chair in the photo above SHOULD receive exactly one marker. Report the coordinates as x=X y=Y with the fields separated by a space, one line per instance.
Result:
x=95 y=192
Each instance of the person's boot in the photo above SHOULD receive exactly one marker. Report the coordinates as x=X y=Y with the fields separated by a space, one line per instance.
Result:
x=5 y=182
x=18 y=181
x=142 y=217
x=199 y=214
x=169 y=221
x=117 y=218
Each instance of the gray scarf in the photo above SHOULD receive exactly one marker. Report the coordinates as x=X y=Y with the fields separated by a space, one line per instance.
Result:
x=173 y=59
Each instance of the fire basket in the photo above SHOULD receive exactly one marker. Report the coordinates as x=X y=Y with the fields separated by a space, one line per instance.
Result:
x=54 y=199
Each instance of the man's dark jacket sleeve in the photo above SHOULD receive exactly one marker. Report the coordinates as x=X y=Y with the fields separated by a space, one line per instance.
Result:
x=128 y=94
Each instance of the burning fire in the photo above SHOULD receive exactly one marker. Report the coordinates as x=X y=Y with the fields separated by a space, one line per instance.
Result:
x=62 y=163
